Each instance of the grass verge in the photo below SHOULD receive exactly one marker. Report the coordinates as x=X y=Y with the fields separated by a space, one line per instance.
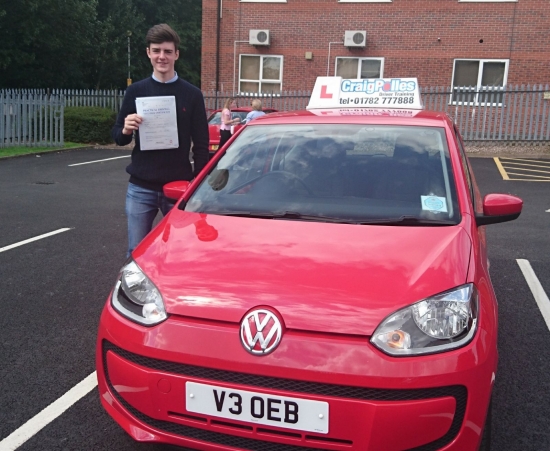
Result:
x=23 y=150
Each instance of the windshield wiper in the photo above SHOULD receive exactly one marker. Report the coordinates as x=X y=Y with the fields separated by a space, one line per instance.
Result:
x=404 y=220
x=284 y=215
x=410 y=221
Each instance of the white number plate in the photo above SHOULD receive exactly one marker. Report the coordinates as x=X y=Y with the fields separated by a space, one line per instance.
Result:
x=259 y=408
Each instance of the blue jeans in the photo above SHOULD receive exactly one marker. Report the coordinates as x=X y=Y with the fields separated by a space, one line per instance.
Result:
x=142 y=206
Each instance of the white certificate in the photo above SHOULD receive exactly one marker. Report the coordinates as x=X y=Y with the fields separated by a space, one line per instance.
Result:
x=159 y=128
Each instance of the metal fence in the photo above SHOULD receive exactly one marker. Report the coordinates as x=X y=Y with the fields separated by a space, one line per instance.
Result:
x=286 y=101
x=103 y=98
x=31 y=119
x=510 y=113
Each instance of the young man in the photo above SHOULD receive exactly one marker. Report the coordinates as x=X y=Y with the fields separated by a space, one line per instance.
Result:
x=151 y=169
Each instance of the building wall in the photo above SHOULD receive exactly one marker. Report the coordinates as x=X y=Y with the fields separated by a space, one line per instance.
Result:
x=404 y=32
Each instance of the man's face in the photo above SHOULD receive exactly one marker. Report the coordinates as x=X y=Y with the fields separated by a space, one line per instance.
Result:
x=163 y=57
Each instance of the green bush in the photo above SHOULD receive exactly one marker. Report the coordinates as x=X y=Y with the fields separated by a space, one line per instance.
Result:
x=86 y=124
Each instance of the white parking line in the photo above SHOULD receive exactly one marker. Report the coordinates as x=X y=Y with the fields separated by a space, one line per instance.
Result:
x=536 y=288
x=50 y=413
x=99 y=161
x=30 y=240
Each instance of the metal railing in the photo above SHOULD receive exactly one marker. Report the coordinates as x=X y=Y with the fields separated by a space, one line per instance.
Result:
x=103 y=98
x=509 y=113
x=285 y=101
x=31 y=119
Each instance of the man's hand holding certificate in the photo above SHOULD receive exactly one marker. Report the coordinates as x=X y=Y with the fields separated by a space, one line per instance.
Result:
x=158 y=128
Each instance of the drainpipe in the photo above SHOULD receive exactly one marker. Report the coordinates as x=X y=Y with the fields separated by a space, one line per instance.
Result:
x=218 y=32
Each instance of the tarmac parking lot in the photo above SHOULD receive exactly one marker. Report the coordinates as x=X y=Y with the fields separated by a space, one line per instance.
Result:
x=63 y=240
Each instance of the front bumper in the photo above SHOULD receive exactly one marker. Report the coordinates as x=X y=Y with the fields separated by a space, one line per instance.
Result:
x=376 y=402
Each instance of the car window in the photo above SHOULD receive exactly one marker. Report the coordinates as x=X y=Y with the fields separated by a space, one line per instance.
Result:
x=359 y=173
x=216 y=118
x=239 y=114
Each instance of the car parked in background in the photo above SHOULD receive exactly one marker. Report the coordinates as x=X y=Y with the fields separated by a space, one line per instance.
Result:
x=214 y=122
x=323 y=284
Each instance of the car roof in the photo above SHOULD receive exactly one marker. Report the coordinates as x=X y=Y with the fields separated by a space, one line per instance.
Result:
x=359 y=116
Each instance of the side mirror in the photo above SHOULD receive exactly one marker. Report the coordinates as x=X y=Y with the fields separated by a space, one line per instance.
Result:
x=174 y=190
x=499 y=208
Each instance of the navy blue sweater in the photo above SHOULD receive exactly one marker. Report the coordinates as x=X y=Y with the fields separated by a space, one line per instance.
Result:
x=153 y=168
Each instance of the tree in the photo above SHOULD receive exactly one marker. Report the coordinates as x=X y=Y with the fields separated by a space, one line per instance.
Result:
x=44 y=41
x=83 y=43
x=116 y=21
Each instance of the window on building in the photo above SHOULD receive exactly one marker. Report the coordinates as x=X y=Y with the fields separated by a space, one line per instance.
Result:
x=365 y=1
x=360 y=67
x=261 y=74
x=486 y=1
x=479 y=81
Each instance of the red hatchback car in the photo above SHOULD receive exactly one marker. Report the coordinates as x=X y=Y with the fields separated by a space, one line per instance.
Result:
x=214 y=122
x=323 y=284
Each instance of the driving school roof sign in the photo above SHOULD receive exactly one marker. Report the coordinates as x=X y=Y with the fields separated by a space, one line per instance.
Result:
x=338 y=92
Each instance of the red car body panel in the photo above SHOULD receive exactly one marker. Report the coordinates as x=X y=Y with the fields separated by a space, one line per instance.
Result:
x=331 y=294
x=342 y=278
x=324 y=358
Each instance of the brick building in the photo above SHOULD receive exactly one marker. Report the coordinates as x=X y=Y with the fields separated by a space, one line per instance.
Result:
x=441 y=42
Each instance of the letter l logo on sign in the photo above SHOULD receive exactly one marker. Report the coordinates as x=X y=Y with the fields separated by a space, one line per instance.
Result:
x=324 y=93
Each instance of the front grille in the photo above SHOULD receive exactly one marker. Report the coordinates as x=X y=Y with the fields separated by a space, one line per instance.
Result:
x=267 y=382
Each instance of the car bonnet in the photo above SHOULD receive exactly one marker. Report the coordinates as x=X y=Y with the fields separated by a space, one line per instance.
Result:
x=322 y=277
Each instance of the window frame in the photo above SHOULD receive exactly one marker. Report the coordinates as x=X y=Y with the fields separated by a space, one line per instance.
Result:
x=360 y=58
x=478 y=86
x=365 y=1
x=487 y=1
x=260 y=79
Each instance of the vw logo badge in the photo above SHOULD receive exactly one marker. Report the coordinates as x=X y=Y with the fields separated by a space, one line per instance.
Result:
x=261 y=332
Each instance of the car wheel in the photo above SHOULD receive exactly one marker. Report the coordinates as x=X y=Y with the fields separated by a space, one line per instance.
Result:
x=486 y=438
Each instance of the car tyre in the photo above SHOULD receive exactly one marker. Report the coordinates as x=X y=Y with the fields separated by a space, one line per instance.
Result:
x=486 y=438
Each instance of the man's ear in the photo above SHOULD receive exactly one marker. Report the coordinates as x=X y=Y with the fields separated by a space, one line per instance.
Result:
x=177 y=53
x=148 y=52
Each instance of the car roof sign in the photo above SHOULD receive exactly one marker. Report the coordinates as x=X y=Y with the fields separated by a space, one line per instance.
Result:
x=372 y=93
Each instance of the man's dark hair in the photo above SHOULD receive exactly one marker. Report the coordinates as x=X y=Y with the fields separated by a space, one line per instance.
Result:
x=162 y=33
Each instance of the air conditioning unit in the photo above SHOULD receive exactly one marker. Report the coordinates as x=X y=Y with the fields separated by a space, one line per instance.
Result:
x=355 y=38
x=258 y=37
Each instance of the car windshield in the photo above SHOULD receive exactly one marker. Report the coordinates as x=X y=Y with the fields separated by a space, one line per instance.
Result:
x=216 y=118
x=368 y=174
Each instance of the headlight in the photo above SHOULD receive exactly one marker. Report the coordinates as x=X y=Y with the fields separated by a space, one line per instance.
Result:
x=437 y=324
x=137 y=298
